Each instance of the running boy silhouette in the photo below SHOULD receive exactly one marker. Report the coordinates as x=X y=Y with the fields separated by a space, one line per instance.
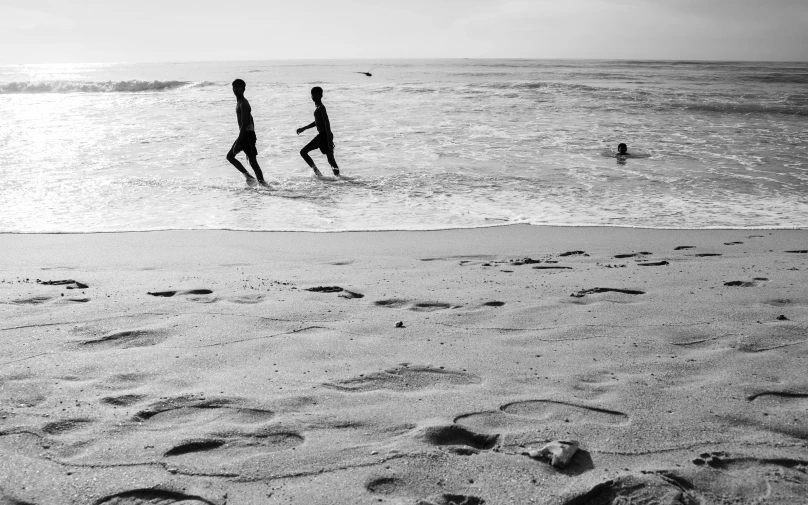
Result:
x=324 y=141
x=246 y=136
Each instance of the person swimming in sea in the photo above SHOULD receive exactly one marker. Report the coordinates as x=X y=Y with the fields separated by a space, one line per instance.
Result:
x=622 y=150
x=246 y=137
x=324 y=141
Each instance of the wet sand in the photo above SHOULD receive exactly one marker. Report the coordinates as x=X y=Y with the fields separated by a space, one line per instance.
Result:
x=233 y=367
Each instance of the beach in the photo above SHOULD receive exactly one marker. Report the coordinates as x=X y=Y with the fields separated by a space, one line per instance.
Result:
x=404 y=367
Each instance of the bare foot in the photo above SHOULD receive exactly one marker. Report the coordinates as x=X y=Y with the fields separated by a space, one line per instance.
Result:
x=317 y=172
x=251 y=182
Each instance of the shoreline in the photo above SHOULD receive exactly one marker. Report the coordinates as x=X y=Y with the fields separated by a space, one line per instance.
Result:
x=394 y=230
x=268 y=367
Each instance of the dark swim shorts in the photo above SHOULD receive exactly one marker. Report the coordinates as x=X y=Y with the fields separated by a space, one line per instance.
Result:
x=320 y=143
x=246 y=143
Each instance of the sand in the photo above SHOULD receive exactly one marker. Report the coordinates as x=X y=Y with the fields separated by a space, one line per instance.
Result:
x=201 y=367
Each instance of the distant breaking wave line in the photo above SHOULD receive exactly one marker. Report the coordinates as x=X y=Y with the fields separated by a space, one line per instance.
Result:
x=95 y=87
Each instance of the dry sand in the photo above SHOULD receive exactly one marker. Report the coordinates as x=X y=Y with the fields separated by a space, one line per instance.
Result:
x=198 y=367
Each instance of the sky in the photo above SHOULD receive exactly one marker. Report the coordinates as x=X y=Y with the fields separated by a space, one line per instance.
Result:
x=86 y=31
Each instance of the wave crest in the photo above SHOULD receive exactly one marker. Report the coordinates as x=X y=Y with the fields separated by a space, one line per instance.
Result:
x=29 y=87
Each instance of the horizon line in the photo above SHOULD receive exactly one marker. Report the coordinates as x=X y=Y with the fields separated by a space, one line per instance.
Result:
x=487 y=58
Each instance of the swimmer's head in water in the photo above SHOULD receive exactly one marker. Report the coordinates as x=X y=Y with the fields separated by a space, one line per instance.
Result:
x=622 y=148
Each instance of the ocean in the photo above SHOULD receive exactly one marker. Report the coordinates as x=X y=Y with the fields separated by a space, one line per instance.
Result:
x=422 y=144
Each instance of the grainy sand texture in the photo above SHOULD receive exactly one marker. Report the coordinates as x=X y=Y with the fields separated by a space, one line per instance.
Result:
x=214 y=367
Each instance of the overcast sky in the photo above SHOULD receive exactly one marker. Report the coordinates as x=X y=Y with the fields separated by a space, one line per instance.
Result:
x=66 y=31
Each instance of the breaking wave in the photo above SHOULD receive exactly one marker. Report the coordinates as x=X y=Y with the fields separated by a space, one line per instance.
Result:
x=30 y=87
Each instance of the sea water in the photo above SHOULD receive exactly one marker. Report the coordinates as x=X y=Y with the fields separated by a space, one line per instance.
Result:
x=423 y=144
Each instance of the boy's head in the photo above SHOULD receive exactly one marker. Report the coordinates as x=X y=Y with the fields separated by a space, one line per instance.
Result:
x=317 y=93
x=239 y=86
x=622 y=148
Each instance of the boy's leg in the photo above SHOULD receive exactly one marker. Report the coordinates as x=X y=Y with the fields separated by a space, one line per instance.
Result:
x=304 y=153
x=258 y=173
x=333 y=163
x=236 y=163
x=231 y=157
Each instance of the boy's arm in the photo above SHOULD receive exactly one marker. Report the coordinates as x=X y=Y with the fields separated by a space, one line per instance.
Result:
x=301 y=130
x=246 y=113
x=327 y=124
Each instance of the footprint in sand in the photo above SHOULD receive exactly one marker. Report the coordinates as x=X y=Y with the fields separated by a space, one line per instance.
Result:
x=397 y=303
x=343 y=293
x=36 y=300
x=385 y=485
x=706 y=255
x=554 y=267
x=70 y=283
x=733 y=243
x=393 y=303
x=778 y=302
x=740 y=284
x=234 y=447
x=194 y=410
x=64 y=426
x=122 y=400
x=430 y=306
x=683 y=247
x=493 y=304
x=451 y=499
x=652 y=487
x=736 y=479
x=573 y=253
x=127 y=339
x=780 y=396
x=324 y=289
x=527 y=415
x=455 y=435
x=151 y=496
x=584 y=292
x=396 y=487
x=800 y=251
x=248 y=299
x=405 y=378
x=653 y=264
x=191 y=292
x=632 y=255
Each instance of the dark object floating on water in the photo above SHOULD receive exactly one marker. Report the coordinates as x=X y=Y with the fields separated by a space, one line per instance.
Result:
x=584 y=292
x=573 y=253
x=325 y=289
